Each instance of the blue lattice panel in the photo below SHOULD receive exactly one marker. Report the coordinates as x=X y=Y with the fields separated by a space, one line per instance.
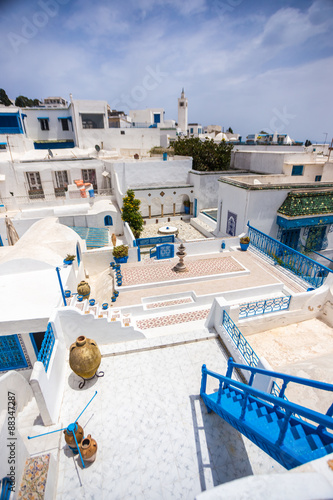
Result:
x=239 y=340
x=46 y=349
x=11 y=353
x=264 y=306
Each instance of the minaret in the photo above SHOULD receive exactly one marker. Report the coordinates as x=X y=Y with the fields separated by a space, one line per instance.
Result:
x=182 y=113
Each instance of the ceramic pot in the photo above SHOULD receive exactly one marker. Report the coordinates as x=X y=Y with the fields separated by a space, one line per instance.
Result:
x=244 y=246
x=88 y=448
x=83 y=289
x=84 y=357
x=69 y=438
x=105 y=306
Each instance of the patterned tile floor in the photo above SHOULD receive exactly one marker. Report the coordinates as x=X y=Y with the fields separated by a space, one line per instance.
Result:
x=164 y=272
x=172 y=319
x=34 y=478
x=166 y=303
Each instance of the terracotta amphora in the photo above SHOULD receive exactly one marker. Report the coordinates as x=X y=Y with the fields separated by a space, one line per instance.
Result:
x=88 y=448
x=69 y=438
x=84 y=357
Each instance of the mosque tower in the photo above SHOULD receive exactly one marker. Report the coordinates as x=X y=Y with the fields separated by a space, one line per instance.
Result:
x=182 y=113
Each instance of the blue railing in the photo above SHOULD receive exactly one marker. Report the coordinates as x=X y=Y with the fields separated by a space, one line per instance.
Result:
x=307 y=269
x=323 y=421
x=46 y=349
x=239 y=340
x=155 y=240
x=264 y=306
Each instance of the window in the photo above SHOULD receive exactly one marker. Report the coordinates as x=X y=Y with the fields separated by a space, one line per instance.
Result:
x=297 y=170
x=61 y=178
x=34 y=181
x=318 y=178
x=108 y=220
x=11 y=353
x=10 y=123
x=64 y=124
x=122 y=132
x=157 y=118
x=89 y=175
x=191 y=130
x=44 y=123
x=3 y=146
x=92 y=120
x=181 y=104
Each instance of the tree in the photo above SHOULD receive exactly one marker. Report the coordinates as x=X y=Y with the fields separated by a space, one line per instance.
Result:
x=4 y=99
x=207 y=155
x=230 y=131
x=307 y=143
x=131 y=213
x=24 y=102
x=262 y=132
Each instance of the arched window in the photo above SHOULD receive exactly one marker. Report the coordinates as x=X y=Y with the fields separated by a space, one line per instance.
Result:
x=78 y=254
x=108 y=220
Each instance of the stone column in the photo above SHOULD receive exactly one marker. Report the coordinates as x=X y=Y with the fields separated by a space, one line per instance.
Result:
x=162 y=213
x=191 y=207
x=149 y=211
x=174 y=209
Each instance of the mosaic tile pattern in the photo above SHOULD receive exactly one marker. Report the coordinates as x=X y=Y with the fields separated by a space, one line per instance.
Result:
x=172 y=319
x=34 y=478
x=167 y=303
x=164 y=272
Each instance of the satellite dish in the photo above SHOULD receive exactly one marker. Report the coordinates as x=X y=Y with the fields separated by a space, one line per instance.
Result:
x=97 y=148
x=50 y=153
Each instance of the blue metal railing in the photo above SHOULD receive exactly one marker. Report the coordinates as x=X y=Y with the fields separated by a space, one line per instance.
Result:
x=239 y=340
x=155 y=240
x=46 y=349
x=308 y=269
x=264 y=306
x=323 y=421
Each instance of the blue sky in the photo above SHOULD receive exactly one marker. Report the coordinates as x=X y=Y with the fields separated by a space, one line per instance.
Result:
x=251 y=65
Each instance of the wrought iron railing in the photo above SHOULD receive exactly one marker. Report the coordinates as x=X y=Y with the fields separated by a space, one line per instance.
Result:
x=239 y=340
x=264 y=306
x=46 y=349
x=154 y=240
x=299 y=264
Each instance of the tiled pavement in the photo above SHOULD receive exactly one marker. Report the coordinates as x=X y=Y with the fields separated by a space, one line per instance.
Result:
x=168 y=303
x=155 y=438
x=185 y=230
x=164 y=271
x=172 y=319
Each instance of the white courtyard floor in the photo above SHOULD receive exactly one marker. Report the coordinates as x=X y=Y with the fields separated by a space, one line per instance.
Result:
x=155 y=437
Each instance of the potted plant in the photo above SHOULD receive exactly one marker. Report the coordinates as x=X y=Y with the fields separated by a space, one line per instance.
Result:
x=187 y=206
x=244 y=243
x=120 y=254
x=68 y=260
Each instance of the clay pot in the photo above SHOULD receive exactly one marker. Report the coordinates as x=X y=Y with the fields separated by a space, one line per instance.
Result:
x=84 y=357
x=83 y=289
x=69 y=438
x=88 y=448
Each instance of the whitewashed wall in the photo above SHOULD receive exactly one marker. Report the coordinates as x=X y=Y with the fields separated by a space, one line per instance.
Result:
x=205 y=188
x=48 y=387
x=55 y=131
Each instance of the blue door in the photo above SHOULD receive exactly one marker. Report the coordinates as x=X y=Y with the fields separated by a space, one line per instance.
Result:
x=195 y=210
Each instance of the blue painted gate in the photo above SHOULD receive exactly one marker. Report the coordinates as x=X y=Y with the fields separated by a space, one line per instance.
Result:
x=166 y=251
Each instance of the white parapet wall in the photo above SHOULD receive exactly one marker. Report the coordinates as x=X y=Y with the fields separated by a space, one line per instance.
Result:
x=48 y=385
x=73 y=323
